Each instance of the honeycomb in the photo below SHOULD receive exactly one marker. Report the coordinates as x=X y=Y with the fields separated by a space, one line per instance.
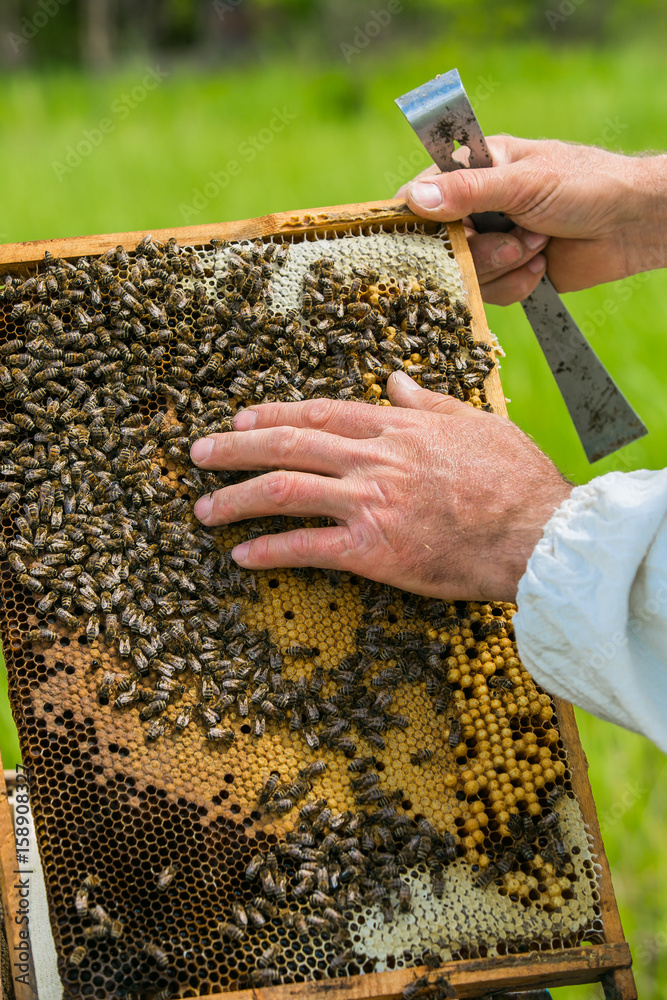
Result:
x=243 y=779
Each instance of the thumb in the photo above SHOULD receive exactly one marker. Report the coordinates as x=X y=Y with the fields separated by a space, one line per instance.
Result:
x=404 y=391
x=459 y=193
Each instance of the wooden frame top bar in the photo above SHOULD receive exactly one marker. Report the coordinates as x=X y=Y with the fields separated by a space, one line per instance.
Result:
x=335 y=218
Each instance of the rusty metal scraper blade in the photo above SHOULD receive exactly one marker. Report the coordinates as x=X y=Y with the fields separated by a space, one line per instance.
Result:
x=603 y=418
x=441 y=114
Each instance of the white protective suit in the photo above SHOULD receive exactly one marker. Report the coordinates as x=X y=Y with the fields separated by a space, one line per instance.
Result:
x=592 y=620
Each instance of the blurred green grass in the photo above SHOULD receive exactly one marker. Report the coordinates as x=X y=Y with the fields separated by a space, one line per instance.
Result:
x=347 y=142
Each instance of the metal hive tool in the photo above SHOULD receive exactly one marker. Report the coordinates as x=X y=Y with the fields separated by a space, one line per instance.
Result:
x=441 y=115
x=186 y=853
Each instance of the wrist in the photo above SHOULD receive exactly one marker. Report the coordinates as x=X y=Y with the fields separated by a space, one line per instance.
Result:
x=646 y=235
x=520 y=542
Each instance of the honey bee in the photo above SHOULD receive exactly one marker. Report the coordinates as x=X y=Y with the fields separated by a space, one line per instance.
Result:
x=269 y=955
x=255 y=915
x=500 y=682
x=166 y=877
x=486 y=876
x=254 y=866
x=449 y=842
x=454 y=737
x=554 y=795
x=546 y=823
x=77 y=956
x=268 y=882
x=106 y=687
x=264 y=977
x=81 y=900
x=264 y=906
x=157 y=953
x=41 y=634
x=220 y=735
x=156 y=729
x=365 y=781
x=128 y=697
x=282 y=805
x=240 y=916
x=93 y=627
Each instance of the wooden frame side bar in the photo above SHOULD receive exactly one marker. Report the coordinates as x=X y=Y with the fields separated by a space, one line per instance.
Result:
x=10 y=897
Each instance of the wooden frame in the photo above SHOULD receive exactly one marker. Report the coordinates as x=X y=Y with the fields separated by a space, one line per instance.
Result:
x=8 y=889
x=609 y=962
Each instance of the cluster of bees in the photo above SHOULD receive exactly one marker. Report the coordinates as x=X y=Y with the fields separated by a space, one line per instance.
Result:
x=118 y=364
x=99 y=532
x=333 y=863
x=99 y=926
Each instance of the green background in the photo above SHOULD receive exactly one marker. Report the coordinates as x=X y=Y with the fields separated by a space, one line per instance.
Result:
x=345 y=143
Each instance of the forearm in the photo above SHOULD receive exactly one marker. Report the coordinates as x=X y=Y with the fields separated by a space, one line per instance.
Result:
x=592 y=619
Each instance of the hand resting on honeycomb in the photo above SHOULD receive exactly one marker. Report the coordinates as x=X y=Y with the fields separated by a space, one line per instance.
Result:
x=429 y=495
x=591 y=216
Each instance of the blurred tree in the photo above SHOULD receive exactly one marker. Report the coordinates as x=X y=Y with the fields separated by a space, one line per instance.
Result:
x=97 y=22
x=12 y=49
x=99 y=33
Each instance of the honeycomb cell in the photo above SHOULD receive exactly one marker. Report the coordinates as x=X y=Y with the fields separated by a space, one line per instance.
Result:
x=241 y=779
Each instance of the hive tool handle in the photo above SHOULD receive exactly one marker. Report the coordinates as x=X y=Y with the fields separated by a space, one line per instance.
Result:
x=441 y=114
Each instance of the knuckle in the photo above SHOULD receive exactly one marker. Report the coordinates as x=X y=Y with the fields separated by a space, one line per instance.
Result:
x=278 y=488
x=320 y=412
x=359 y=540
x=259 y=549
x=464 y=185
x=286 y=442
x=301 y=544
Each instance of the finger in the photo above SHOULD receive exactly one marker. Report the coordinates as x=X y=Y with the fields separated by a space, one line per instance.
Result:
x=506 y=149
x=405 y=392
x=284 y=447
x=516 y=285
x=495 y=254
x=461 y=192
x=334 y=416
x=325 y=548
x=294 y=494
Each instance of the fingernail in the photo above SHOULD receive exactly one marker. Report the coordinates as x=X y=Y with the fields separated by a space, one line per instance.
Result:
x=245 y=420
x=537 y=264
x=240 y=552
x=201 y=450
x=507 y=253
x=535 y=241
x=426 y=195
x=204 y=507
x=405 y=381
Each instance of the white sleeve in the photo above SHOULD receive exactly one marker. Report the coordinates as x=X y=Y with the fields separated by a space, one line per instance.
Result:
x=592 y=620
